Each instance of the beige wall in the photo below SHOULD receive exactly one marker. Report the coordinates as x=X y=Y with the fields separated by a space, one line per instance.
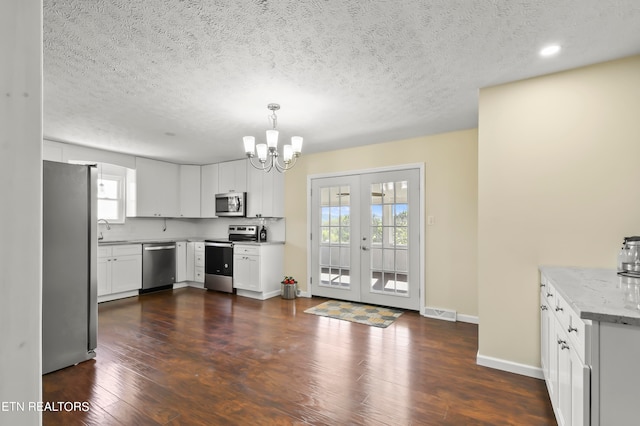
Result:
x=558 y=184
x=20 y=209
x=451 y=197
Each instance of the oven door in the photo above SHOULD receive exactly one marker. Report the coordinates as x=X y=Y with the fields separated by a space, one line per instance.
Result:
x=218 y=266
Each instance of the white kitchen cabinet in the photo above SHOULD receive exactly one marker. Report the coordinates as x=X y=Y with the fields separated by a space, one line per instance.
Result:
x=199 y=262
x=181 y=261
x=189 y=191
x=257 y=270
x=155 y=189
x=563 y=357
x=265 y=193
x=246 y=269
x=232 y=176
x=208 y=190
x=119 y=271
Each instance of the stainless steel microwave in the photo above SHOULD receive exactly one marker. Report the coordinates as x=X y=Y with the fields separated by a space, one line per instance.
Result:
x=231 y=204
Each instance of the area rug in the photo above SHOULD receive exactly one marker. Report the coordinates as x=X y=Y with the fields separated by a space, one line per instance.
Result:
x=376 y=316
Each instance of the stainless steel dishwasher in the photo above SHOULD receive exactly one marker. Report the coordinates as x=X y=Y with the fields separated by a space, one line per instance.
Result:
x=158 y=266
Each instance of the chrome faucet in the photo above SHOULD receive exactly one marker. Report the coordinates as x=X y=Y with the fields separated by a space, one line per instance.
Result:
x=100 y=236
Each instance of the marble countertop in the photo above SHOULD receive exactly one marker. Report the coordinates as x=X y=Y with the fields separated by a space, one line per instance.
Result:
x=597 y=294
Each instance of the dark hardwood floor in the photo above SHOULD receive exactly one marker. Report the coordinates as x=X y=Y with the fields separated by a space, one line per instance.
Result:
x=190 y=357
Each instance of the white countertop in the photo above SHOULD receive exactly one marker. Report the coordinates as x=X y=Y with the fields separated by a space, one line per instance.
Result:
x=597 y=294
x=191 y=239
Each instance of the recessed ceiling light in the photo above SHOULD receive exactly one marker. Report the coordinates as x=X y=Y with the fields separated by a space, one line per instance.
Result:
x=550 y=50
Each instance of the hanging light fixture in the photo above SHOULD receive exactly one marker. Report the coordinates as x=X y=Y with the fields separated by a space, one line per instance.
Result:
x=267 y=153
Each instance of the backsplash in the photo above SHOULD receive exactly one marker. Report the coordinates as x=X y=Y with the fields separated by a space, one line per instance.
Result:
x=150 y=228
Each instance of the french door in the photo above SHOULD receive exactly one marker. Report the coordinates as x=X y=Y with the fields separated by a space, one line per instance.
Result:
x=365 y=238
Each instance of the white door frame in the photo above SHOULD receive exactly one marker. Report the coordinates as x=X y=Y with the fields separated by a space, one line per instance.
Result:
x=422 y=243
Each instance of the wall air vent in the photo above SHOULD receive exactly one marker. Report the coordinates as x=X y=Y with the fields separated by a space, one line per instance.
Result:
x=441 y=314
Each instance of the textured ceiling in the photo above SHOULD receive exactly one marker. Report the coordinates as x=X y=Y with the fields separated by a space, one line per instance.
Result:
x=184 y=80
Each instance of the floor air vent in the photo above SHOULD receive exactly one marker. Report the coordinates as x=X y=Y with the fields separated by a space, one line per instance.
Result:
x=442 y=314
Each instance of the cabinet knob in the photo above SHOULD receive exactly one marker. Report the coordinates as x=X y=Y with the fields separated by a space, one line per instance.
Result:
x=564 y=346
x=570 y=329
x=544 y=307
x=561 y=342
x=549 y=295
x=542 y=285
x=558 y=308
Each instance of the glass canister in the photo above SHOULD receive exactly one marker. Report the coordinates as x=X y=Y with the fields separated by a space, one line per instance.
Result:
x=629 y=258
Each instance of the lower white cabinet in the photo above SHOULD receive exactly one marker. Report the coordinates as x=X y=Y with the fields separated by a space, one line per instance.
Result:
x=198 y=269
x=119 y=271
x=257 y=270
x=181 y=261
x=564 y=357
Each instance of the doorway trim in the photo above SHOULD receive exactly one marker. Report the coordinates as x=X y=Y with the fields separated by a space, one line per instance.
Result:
x=423 y=240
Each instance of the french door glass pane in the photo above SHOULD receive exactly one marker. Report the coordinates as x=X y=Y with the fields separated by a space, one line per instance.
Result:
x=335 y=238
x=389 y=238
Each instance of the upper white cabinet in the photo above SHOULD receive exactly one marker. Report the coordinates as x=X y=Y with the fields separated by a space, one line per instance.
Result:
x=155 y=191
x=208 y=190
x=232 y=176
x=189 y=191
x=265 y=193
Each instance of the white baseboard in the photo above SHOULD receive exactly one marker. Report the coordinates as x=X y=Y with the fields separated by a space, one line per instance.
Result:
x=303 y=294
x=195 y=284
x=180 y=285
x=509 y=366
x=471 y=319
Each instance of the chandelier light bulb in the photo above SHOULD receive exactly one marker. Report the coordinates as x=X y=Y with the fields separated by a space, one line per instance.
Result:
x=249 y=144
x=272 y=139
x=261 y=150
x=296 y=144
x=287 y=151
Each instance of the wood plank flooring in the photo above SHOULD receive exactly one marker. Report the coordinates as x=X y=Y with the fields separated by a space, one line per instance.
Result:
x=191 y=357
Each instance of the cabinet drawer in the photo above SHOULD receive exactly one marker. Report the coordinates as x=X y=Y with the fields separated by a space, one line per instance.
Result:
x=199 y=275
x=248 y=250
x=126 y=250
x=199 y=259
x=199 y=246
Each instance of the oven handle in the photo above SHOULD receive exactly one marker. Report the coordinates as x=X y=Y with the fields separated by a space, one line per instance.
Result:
x=160 y=247
x=218 y=244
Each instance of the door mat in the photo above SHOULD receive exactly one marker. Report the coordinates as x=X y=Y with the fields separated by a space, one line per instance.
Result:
x=376 y=316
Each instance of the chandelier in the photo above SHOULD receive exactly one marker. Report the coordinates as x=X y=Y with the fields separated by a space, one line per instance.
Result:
x=267 y=153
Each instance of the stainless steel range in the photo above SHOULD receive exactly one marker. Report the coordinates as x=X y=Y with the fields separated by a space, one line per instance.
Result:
x=218 y=257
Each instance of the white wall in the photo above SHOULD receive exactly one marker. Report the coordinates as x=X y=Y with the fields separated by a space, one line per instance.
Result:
x=21 y=208
x=558 y=184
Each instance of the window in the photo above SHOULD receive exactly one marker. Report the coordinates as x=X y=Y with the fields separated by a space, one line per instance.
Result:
x=111 y=198
x=111 y=190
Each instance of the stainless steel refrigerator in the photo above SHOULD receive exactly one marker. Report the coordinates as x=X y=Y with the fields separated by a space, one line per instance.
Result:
x=69 y=262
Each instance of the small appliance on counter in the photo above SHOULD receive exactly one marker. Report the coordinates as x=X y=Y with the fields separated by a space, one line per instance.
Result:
x=629 y=257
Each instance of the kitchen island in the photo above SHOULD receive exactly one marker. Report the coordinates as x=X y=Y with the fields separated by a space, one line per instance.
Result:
x=590 y=345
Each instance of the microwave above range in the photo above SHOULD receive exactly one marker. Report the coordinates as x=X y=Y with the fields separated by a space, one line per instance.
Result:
x=231 y=204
